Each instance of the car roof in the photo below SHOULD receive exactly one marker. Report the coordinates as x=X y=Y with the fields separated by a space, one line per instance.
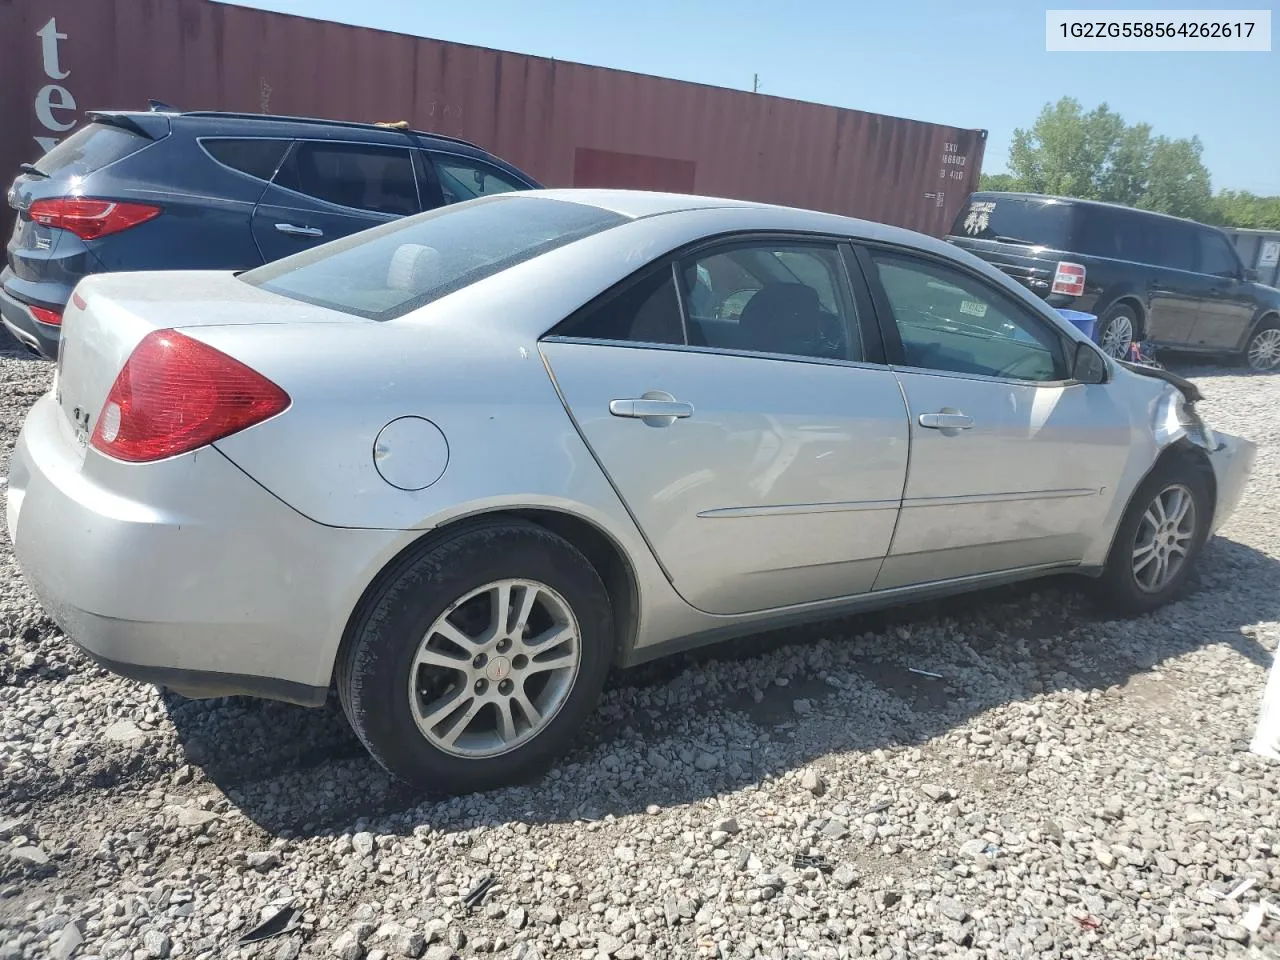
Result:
x=261 y=124
x=1079 y=201
x=643 y=203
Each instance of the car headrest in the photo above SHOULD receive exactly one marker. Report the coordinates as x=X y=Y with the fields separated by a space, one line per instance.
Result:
x=778 y=316
x=412 y=267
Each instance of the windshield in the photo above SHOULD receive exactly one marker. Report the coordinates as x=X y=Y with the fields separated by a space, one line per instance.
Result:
x=390 y=270
x=1031 y=220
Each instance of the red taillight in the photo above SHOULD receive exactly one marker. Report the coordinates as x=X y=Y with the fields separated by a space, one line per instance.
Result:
x=176 y=394
x=45 y=315
x=89 y=218
x=1069 y=279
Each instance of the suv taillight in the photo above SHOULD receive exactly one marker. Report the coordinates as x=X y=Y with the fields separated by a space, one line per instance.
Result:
x=89 y=218
x=175 y=394
x=1068 y=279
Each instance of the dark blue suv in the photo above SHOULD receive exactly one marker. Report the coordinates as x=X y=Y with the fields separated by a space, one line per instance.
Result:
x=163 y=190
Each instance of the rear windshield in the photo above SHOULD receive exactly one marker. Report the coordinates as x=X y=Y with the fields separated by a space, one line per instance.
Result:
x=90 y=148
x=390 y=270
x=1030 y=220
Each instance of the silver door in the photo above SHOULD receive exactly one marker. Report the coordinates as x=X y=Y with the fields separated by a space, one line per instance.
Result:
x=764 y=463
x=1010 y=475
x=758 y=482
x=1010 y=466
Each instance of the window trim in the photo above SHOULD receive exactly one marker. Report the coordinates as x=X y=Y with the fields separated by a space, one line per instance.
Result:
x=855 y=294
x=361 y=211
x=896 y=356
x=430 y=193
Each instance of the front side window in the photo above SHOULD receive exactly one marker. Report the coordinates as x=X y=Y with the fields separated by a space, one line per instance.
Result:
x=950 y=321
x=1217 y=258
x=392 y=269
x=462 y=178
x=357 y=175
x=771 y=297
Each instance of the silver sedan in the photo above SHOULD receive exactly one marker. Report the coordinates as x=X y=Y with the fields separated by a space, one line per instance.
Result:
x=459 y=465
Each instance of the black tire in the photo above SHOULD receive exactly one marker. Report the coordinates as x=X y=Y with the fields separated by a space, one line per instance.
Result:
x=374 y=664
x=1119 y=314
x=1118 y=587
x=1251 y=355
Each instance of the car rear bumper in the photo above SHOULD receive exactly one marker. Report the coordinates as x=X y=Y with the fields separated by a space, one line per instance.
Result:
x=183 y=572
x=1232 y=463
x=40 y=338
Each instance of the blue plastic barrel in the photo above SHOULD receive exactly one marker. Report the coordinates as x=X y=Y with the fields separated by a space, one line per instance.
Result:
x=1085 y=322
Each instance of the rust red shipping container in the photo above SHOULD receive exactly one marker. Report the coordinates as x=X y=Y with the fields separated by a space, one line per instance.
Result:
x=565 y=123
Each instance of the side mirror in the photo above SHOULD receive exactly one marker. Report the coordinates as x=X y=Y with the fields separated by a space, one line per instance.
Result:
x=1087 y=365
x=1250 y=275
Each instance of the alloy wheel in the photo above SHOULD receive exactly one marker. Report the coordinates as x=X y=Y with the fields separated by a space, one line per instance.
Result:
x=1264 y=350
x=1117 y=336
x=1164 y=538
x=495 y=668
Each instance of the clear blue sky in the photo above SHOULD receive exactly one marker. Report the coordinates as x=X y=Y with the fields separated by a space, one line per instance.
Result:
x=969 y=63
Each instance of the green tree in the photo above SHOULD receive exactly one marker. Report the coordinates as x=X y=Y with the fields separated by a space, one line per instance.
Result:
x=1125 y=179
x=998 y=181
x=1066 y=151
x=1095 y=155
x=1177 y=182
x=1232 y=208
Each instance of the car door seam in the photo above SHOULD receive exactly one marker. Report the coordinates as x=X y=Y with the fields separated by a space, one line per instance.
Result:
x=555 y=385
x=906 y=477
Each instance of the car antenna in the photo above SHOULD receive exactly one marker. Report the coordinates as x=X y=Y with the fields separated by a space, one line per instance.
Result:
x=159 y=106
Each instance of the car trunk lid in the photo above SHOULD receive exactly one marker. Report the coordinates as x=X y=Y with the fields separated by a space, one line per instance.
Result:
x=109 y=314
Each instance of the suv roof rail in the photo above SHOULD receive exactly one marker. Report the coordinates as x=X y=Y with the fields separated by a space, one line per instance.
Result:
x=328 y=123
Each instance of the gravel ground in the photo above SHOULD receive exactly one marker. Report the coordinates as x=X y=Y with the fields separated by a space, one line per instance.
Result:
x=1069 y=786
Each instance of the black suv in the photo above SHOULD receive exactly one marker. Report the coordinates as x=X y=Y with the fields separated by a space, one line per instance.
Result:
x=162 y=190
x=1146 y=276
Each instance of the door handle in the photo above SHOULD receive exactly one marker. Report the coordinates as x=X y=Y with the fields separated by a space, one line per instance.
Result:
x=643 y=408
x=946 y=421
x=293 y=230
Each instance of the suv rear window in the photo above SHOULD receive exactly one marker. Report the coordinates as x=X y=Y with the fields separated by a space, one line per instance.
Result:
x=390 y=270
x=258 y=158
x=90 y=148
x=1039 y=222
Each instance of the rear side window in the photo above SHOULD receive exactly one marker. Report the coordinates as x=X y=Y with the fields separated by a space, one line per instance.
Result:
x=1172 y=243
x=646 y=311
x=90 y=148
x=257 y=158
x=1217 y=256
x=362 y=176
x=390 y=270
x=1030 y=220
x=1108 y=232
